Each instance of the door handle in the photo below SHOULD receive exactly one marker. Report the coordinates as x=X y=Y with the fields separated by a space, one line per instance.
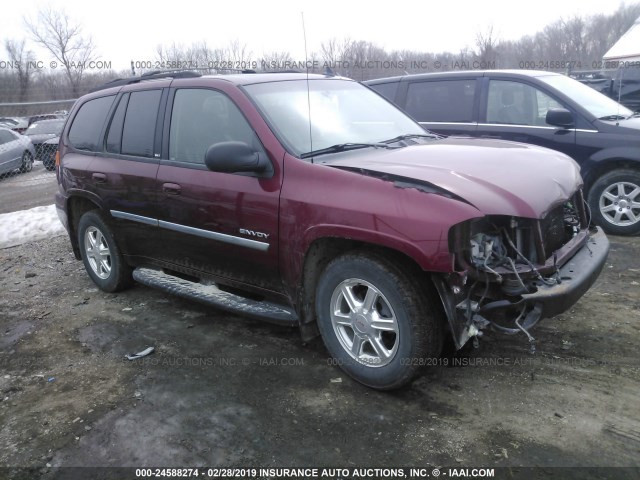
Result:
x=99 y=177
x=171 y=188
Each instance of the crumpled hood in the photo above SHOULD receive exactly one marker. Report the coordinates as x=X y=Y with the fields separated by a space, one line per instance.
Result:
x=497 y=177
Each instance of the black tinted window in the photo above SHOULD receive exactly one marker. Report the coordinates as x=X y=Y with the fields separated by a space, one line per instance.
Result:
x=387 y=90
x=88 y=123
x=201 y=118
x=140 y=123
x=442 y=101
x=114 y=137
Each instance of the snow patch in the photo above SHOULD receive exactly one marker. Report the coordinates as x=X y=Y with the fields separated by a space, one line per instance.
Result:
x=25 y=226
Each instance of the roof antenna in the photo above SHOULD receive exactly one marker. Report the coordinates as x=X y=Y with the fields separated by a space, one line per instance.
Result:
x=306 y=62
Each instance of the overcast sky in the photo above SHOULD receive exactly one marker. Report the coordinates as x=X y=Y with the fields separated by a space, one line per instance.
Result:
x=126 y=30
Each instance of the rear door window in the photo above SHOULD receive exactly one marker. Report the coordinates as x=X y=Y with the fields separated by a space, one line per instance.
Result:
x=114 y=137
x=140 y=119
x=441 y=101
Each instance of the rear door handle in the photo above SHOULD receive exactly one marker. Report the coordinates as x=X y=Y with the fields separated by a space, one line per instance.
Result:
x=171 y=188
x=99 y=177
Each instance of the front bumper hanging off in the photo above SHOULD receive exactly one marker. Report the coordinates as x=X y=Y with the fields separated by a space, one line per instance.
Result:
x=576 y=276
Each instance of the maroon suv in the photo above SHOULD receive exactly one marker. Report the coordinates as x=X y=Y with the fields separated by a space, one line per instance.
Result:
x=311 y=200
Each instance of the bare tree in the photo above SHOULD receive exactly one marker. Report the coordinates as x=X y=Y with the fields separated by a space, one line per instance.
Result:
x=335 y=52
x=238 y=54
x=274 y=61
x=63 y=38
x=486 y=42
x=575 y=31
x=23 y=60
x=177 y=57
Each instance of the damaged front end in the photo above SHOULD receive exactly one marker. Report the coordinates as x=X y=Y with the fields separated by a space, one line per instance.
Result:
x=510 y=272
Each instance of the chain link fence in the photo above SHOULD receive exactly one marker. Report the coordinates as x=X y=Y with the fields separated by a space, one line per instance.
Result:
x=29 y=136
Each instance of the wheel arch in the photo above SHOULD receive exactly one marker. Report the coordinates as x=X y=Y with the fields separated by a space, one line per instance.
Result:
x=77 y=205
x=601 y=166
x=322 y=251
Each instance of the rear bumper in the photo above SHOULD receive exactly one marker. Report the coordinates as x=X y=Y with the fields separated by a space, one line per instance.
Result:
x=60 y=202
x=577 y=275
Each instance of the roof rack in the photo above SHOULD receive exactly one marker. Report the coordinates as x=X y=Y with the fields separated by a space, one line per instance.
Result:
x=190 y=73
x=118 y=82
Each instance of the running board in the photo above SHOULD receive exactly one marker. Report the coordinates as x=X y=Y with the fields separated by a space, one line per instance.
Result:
x=210 y=294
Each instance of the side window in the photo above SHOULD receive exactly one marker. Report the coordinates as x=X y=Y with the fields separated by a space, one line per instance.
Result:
x=387 y=90
x=114 y=137
x=201 y=118
x=88 y=123
x=139 y=128
x=5 y=137
x=544 y=102
x=441 y=101
x=515 y=103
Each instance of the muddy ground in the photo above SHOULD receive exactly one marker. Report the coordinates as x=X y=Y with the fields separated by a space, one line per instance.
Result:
x=223 y=390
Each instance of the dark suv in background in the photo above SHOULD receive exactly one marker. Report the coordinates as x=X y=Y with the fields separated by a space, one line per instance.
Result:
x=541 y=108
x=312 y=201
x=621 y=84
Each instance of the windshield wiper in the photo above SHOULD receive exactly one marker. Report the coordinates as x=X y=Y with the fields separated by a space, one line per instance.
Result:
x=343 y=147
x=412 y=135
x=613 y=117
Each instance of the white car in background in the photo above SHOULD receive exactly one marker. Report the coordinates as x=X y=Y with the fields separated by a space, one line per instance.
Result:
x=16 y=152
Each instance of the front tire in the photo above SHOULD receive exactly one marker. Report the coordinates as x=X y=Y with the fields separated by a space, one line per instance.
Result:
x=378 y=322
x=100 y=254
x=27 y=162
x=614 y=200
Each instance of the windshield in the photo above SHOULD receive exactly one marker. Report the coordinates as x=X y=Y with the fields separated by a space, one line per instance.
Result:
x=595 y=102
x=342 y=112
x=54 y=127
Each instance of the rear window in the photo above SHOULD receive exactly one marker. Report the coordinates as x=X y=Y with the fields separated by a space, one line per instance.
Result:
x=5 y=137
x=441 y=101
x=45 y=126
x=387 y=90
x=88 y=123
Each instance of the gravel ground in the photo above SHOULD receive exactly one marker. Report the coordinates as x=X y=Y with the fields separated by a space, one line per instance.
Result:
x=223 y=390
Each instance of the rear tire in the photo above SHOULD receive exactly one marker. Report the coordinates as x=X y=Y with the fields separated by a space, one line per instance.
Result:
x=49 y=164
x=100 y=253
x=614 y=200
x=379 y=323
x=27 y=162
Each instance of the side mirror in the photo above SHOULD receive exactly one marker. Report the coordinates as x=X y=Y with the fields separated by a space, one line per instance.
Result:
x=236 y=157
x=560 y=117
